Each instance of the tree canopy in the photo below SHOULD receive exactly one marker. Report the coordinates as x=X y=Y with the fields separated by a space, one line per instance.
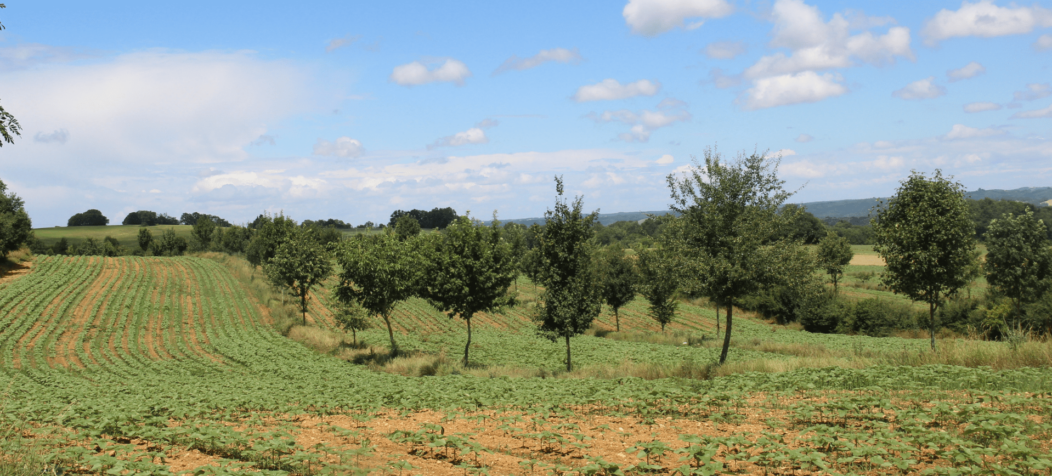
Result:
x=834 y=252
x=91 y=217
x=436 y=218
x=406 y=227
x=658 y=283
x=300 y=262
x=619 y=279
x=1018 y=259
x=15 y=226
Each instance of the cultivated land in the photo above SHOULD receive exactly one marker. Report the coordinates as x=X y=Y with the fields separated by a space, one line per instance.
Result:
x=127 y=235
x=138 y=365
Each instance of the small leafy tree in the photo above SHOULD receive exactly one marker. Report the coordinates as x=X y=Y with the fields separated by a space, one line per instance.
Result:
x=203 y=231
x=169 y=244
x=1018 y=258
x=469 y=270
x=299 y=264
x=619 y=281
x=572 y=297
x=406 y=227
x=834 y=252
x=16 y=229
x=145 y=239
x=927 y=241
x=378 y=272
x=729 y=216
x=350 y=317
x=270 y=232
x=658 y=282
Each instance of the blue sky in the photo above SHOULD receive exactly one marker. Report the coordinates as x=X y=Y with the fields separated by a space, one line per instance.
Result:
x=351 y=110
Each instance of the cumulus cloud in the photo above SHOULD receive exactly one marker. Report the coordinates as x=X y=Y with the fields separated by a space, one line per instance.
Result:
x=787 y=89
x=475 y=135
x=1033 y=91
x=1038 y=113
x=557 y=55
x=59 y=136
x=724 y=49
x=337 y=43
x=984 y=19
x=611 y=89
x=969 y=70
x=802 y=138
x=981 y=107
x=26 y=55
x=342 y=147
x=416 y=73
x=643 y=123
x=922 y=89
x=961 y=131
x=1043 y=43
x=654 y=17
x=665 y=160
x=782 y=153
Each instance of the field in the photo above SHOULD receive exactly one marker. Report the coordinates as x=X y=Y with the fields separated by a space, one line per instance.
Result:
x=127 y=235
x=138 y=365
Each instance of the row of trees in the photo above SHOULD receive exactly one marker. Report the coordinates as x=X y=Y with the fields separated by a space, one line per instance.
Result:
x=437 y=218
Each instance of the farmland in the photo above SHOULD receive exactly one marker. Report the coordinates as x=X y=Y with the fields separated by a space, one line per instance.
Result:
x=143 y=365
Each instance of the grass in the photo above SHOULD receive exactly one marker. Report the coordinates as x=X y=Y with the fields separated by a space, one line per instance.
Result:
x=127 y=235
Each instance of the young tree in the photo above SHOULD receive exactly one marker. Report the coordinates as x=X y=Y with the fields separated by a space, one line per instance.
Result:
x=468 y=270
x=619 y=280
x=202 y=231
x=1018 y=258
x=406 y=227
x=270 y=232
x=572 y=297
x=350 y=317
x=834 y=252
x=378 y=272
x=927 y=241
x=658 y=282
x=729 y=215
x=145 y=238
x=299 y=264
x=16 y=229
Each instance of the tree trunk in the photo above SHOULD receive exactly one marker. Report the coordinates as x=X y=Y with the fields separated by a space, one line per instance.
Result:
x=717 y=320
x=468 y=345
x=617 y=320
x=568 y=366
x=727 y=333
x=354 y=336
x=303 y=305
x=836 y=291
x=390 y=333
x=931 y=324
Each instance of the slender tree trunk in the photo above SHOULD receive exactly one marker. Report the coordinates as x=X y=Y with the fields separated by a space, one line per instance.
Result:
x=717 y=319
x=468 y=345
x=931 y=324
x=617 y=320
x=354 y=336
x=835 y=289
x=390 y=333
x=303 y=305
x=727 y=333
x=569 y=367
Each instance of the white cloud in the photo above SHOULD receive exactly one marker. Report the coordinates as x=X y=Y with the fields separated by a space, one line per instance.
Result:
x=787 y=89
x=883 y=144
x=416 y=73
x=802 y=138
x=59 y=136
x=654 y=17
x=25 y=55
x=782 y=153
x=558 y=55
x=981 y=107
x=475 y=135
x=664 y=160
x=343 y=147
x=1034 y=91
x=611 y=89
x=922 y=89
x=886 y=163
x=643 y=123
x=1039 y=113
x=337 y=43
x=724 y=49
x=969 y=70
x=961 y=131
x=1043 y=42
x=984 y=19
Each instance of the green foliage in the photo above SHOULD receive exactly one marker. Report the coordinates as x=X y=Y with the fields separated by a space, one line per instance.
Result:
x=169 y=244
x=658 y=282
x=149 y=218
x=803 y=227
x=468 y=270
x=350 y=316
x=299 y=263
x=91 y=217
x=60 y=247
x=270 y=232
x=834 y=252
x=619 y=280
x=145 y=239
x=234 y=239
x=797 y=293
x=877 y=318
x=1018 y=259
x=926 y=238
x=406 y=227
x=378 y=272
x=729 y=214
x=572 y=297
x=436 y=218
x=15 y=226
x=9 y=126
x=202 y=232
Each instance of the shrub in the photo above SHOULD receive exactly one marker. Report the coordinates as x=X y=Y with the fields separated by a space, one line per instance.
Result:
x=878 y=318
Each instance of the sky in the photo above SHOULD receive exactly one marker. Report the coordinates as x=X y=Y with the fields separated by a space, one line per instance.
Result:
x=352 y=110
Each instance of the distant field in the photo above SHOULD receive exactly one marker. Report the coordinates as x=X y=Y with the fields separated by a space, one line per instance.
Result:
x=127 y=235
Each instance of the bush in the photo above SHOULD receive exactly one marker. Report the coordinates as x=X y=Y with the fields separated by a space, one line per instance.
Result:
x=962 y=315
x=878 y=318
x=822 y=312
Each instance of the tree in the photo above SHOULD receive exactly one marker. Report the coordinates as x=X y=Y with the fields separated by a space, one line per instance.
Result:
x=91 y=217
x=572 y=297
x=406 y=227
x=619 y=281
x=16 y=229
x=270 y=232
x=834 y=252
x=729 y=218
x=806 y=227
x=350 y=317
x=1018 y=258
x=145 y=238
x=378 y=272
x=169 y=244
x=203 y=230
x=8 y=124
x=927 y=241
x=515 y=235
x=299 y=263
x=469 y=270
x=659 y=283
x=60 y=247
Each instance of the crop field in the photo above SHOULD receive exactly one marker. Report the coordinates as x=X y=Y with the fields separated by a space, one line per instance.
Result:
x=168 y=365
x=127 y=235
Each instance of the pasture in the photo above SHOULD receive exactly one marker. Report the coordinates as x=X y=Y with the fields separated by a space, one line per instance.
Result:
x=137 y=365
